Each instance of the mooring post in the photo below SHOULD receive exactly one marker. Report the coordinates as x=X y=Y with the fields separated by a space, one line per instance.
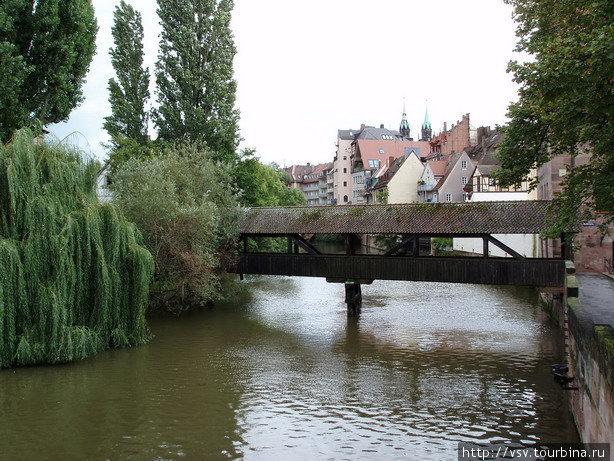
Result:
x=353 y=298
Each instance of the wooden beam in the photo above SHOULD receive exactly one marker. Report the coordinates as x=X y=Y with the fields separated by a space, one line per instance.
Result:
x=485 y=247
x=349 y=244
x=308 y=247
x=504 y=247
x=398 y=246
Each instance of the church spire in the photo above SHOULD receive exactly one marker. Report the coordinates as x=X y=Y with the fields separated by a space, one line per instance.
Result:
x=404 y=128
x=427 y=130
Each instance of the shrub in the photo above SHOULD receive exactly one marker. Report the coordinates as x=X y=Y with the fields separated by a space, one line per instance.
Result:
x=186 y=207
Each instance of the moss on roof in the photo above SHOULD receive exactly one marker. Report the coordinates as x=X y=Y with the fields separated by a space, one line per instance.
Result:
x=521 y=217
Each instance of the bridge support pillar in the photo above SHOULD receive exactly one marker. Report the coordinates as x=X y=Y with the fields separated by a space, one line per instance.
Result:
x=353 y=298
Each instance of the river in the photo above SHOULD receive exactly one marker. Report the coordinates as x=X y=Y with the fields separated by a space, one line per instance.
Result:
x=281 y=374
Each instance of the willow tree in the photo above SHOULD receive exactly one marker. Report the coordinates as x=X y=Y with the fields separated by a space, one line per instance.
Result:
x=74 y=277
x=194 y=73
x=46 y=47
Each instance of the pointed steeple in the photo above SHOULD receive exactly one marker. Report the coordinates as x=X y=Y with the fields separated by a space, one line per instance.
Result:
x=427 y=130
x=404 y=128
x=427 y=120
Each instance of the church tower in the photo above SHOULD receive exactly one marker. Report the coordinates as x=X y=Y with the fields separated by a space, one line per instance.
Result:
x=427 y=130
x=404 y=128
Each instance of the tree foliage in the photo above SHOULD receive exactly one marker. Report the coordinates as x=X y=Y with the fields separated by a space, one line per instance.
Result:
x=129 y=93
x=186 y=207
x=46 y=47
x=74 y=277
x=566 y=103
x=194 y=73
x=264 y=185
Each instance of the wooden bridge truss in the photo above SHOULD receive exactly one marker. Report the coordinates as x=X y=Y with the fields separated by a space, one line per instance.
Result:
x=413 y=225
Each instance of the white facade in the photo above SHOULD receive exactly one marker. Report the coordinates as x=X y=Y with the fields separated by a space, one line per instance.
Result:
x=102 y=186
x=524 y=244
x=403 y=187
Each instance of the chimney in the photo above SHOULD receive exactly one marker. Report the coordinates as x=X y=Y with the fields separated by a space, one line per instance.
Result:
x=362 y=126
x=390 y=160
x=445 y=126
x=381 y=126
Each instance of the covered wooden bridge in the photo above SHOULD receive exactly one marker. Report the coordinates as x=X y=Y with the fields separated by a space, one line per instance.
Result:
x=412 y=223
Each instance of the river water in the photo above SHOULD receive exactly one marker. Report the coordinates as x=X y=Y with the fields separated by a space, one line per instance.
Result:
x=281 y=374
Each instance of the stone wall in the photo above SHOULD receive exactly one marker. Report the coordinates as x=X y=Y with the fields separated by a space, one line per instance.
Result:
x=591 y=362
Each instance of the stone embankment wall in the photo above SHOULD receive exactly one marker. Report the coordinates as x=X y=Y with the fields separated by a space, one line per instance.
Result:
x=590 y=359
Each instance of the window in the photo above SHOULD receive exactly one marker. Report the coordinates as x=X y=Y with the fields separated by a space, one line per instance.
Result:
x=373 y=163
x=464 y=180
x=345 y=198
x=435 y=197
x=464 y=165
x=345 y=183
x=345 y=170
x=382 y=151
x=448 y=197
x=344 y=157
x=492 y=182
x=466 y=197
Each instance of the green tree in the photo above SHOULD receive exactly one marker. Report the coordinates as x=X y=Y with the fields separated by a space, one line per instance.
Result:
x=128 y=94
x=74 y=276
x=194 y=74
x=46 y=47
x=192 y=229
x=264 y=185
x=566 y=103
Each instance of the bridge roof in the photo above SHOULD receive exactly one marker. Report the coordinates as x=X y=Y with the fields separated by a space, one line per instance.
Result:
x=519 y=217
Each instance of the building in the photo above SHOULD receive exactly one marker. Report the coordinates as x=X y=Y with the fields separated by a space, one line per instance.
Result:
x=450 y=188
x=342 y=167
x=434 y=171
x=427 y=129
x=361 y=152
x=314 y=181
x=402 y=184
x=456 y=139
x=297 y=174
x=592 y=250
x=482 y=187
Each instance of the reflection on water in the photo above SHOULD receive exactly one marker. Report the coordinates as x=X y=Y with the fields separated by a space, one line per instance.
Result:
x=283 y=374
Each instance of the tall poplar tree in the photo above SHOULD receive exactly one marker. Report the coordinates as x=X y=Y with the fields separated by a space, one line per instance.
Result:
x=129 y=93
x=46 y=47
x=196 y=89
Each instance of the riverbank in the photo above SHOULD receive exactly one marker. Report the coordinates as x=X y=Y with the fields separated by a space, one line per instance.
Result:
x=586 y=316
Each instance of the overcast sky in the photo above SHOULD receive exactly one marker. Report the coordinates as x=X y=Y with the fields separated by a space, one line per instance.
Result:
x=306 y=69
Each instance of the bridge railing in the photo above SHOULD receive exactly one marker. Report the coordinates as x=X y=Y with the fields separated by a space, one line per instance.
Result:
x=496 y=271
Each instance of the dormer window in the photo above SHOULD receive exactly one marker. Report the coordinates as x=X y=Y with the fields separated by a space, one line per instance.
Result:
x=381 y=151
